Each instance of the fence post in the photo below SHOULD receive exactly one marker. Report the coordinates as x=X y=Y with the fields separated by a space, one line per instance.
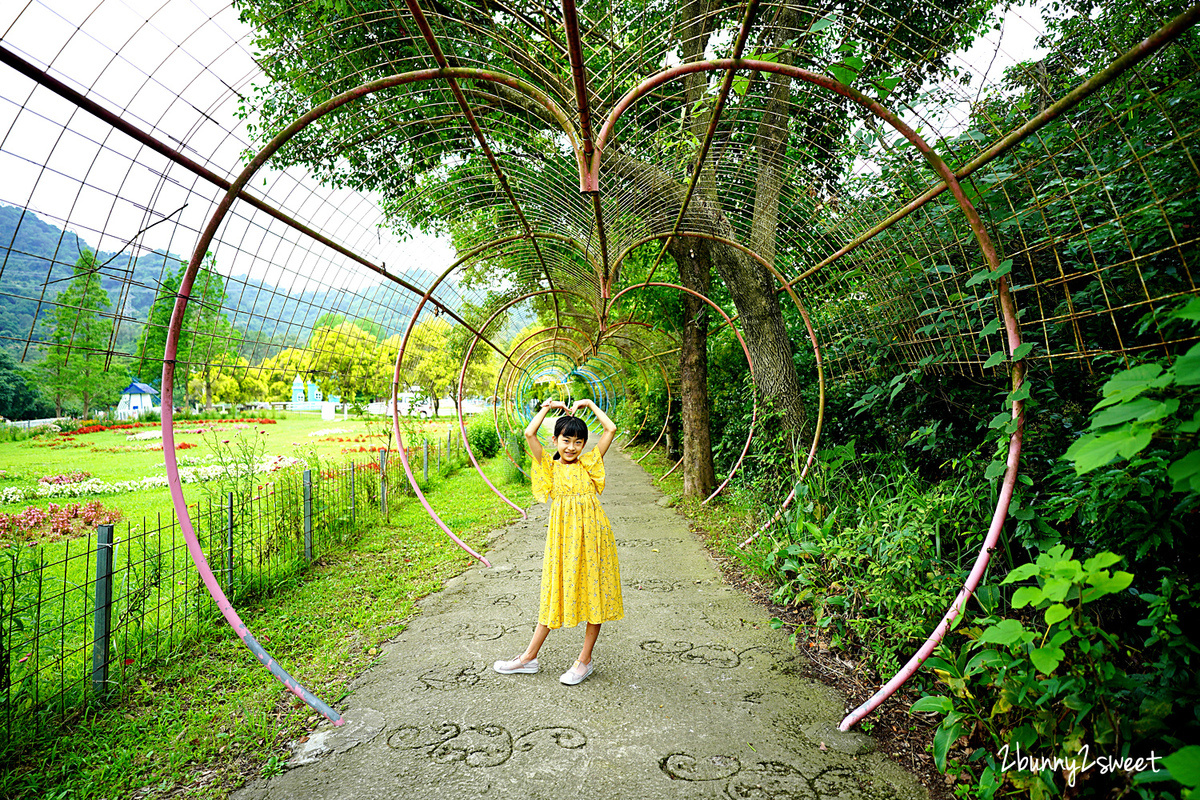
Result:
x=229 y=543
x=102 y=616
x=308 y=515
x=427 y=459
x=383 y=483
x=352 y=507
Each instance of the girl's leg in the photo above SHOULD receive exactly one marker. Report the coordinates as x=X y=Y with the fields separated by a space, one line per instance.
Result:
x=535 y=644
x=589 y=641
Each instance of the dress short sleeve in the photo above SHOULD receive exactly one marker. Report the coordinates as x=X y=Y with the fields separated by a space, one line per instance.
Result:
x=543 y=477
x=593 y=462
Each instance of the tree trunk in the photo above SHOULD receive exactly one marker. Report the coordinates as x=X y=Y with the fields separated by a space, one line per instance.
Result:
x=699 y=478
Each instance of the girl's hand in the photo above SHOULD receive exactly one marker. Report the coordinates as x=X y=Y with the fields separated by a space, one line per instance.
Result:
x=556 y=404
x=580 y=404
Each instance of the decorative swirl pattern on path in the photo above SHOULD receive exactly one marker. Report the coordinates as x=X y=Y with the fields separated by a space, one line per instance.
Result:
x=766 y=779
x=473 y=632
x=488 y=745
x=708 y=655
x=444 y=677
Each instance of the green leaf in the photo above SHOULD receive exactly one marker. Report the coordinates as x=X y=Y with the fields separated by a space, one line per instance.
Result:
x=987 y=275
x=1000 y=420
x=1123 y=412
x=946 y=735
x=1056 y=589
x=1008 y=631
x=1190 y=311
x=1128 y=384
x=741 y=85
x=995 y=358
x=1022 y=351
x=1187 y=367
x=1102 y=583
x=1046 y=659
x=995 y=470
x=843 y=74
x=1057 y=613
x=886 y=85
x=1021 y=573
x=1185 y=765
x=1101 y=561
x=1093 y=451
x=823 y=23
x=977 y=278
x=990 y=328
x=1185 y=472
x=938 y=704
x=1027 y=596
x=1020 y=394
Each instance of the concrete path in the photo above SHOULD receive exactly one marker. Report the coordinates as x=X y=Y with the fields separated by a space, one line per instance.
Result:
x=693 y=695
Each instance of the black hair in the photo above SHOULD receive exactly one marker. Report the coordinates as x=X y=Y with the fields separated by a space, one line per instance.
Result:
x=573 y=427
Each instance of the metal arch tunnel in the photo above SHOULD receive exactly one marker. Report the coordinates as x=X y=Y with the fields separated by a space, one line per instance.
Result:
x=591 y=348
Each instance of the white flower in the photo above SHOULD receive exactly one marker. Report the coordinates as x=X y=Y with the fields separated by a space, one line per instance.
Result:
x=330 y=431
x=94 y=486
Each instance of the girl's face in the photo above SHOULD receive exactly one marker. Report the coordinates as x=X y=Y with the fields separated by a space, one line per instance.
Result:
x=569 y=448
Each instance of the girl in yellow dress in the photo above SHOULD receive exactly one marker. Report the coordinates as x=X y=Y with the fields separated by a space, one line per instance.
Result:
x=580 y=579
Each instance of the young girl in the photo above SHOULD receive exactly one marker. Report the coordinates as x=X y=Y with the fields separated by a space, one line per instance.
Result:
x=580 y=579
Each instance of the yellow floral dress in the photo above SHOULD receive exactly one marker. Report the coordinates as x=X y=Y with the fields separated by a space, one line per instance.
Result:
x=580 y=578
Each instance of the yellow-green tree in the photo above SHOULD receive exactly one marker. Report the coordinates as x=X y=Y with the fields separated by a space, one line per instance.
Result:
x=281 y=369
x=343 y=359
x=429 y=361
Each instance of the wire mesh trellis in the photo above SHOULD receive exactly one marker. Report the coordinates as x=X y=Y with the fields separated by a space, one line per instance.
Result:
x=565 y=151
x=49 y=637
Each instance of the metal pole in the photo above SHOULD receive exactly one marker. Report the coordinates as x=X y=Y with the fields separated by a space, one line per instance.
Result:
x=426 y=459
x=352 y=505
x=102 y=615
x=308 y=556
x=229 y=543
x=383 y=483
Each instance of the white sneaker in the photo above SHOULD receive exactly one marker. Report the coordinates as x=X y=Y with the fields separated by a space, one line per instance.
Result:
x=516 y=665
x=577 y=673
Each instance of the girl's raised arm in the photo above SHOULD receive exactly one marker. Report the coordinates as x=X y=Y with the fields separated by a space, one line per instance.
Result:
x=531 y=430
x=610 y=428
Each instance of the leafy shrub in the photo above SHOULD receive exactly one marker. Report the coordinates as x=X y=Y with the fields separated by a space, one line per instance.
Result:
x=1054 y=683
x=481 y=433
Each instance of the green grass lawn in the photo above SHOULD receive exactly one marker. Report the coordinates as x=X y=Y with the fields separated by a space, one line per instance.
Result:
x=199 y=720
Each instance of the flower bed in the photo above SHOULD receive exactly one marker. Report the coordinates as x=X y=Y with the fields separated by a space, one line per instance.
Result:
x=57 y=521
x=66 y=477
x=126 y=426
x=94 y=486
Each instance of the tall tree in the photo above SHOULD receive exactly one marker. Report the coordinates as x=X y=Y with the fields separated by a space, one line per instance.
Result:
x=343 y=359
x=428 y=361
x=784 y=134
x=19 y=395
x=207 y=338
x=153 y=340
x=78 y=351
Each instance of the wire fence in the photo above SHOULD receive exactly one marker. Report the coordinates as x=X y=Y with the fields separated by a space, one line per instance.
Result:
x=79 y=618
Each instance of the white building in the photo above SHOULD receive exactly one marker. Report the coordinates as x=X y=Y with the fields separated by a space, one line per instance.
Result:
x=137 y=399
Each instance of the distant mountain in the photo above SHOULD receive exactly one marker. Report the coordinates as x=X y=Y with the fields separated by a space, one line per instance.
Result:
x=36 y=260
